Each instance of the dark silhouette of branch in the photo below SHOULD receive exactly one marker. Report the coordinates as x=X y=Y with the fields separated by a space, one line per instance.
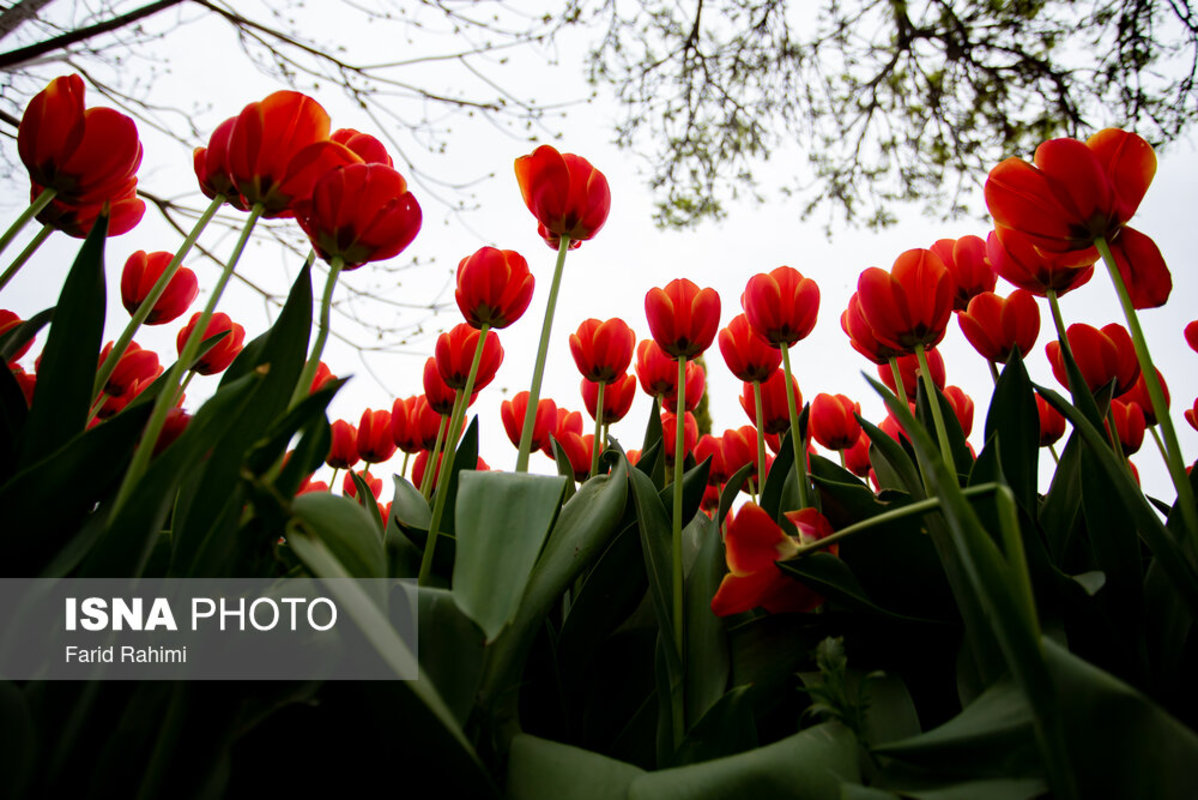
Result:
x=23 y=55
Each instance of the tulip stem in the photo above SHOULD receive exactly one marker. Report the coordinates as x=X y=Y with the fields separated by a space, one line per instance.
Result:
x=25 y=255
x=426 y=480
x=1055 y=458
x=304 y=385
x=35 y=208
x=460 y=403
x=1160 y=407
x=534 y=391
x=333 y=480
x=1058 y=322
x=993 y=371
x=929 y=387
x=676 y=699
x=166 y=397
x=899 y=389
x=797 y=440
x=403 y=469
x=760 y=419
x=151 y=299
x=596 y=445
x=1160 y=445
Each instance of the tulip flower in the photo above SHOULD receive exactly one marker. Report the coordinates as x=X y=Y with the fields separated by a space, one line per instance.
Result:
x=1129 y=425
x=694 y=387
x=617 y=397
x=1191 y=415
x=690 y=433
x=737 y=448
x=343 y=451
x=754 y=542
x=136 y=366
x=567 y=195
x=832 y=421
x=360 y=213
x=1017 y=261
x=1142 y=268
x=375 y=444
x=775 y=414
x=1138 y=394
x=363 y=145
x=220 y=355
x=437 y=393
x=909 y=372
x=1074 y=192
x=494 y=287
x=861 y=336
x=856 y=458
x=1102 y=356
x=511 y=413
x=969 y=266
x=313 y=486
x=996 y=326
x=602 y=350
x=567 y=422
x=682 y=317
x=142 y=270
x=76 y=219
x=177 y=421
x=1052 y=422
x=405 y=425
x=656 y=371
x=709 y=446
x=323 y=375
x=455 y=355
x=211 y=165
x=749 y=356
x=579 y=452
x=781 y=305
x=349 y=487
x=1191 y=335
x=911 y=304
x=8 y=321
x=962 y=405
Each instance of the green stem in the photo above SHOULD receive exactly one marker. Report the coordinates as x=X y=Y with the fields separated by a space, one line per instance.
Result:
x=333 y=480
x=25 y=255
x=1160 y=446
x=147 y=305
x=929 y=387
x=426 y=480
x=1174 y=459
x=843 y=461
x=1056 y=458
x=899 y=389
x=35 y=208
x=534 y=391
x=595 y=446
x=403 y=470
x=993 y=371
x=326 y=302
x=460 y=403
x=191 y=373
x=760 y=419
x=165 y=399
x=797 y=440
x=1058 y=322
x=676 y=697
x=1012 y=540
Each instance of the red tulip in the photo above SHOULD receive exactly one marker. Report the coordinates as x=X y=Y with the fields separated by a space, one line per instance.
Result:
x=567 y=422
x=1074 y=192
x=656 y=371
x=696 y=385
x=909 y=372
x=211 y=166
x=617 y=398
x=360 y=213
x=124 y=209
x=350 y=489
x=775 y=414
x=323 y=375
x=711 y=500
x=313 y=486
x=996 y=326
x=1191 y=335
x=375 y=444
x=781 y=305
x=221 y=354
x=1017 y=261
x=278 y=148
x=437 y=393
x=1138 y=394
x=682 y=317
x=364 y=146
x=962 y=405
x=1102 y=356
x=511 y=413
x=455 y=354
x=602 y=350
x=135 y=366
x=709 y=446
x=173 y=426
x=1052 y=422
x=832 y=423
x=8 y=321
x=752 y=544
x=856 y=458
x=1129 y=425
x=567 y=195
x=911 y=304
x=861 y=336
x=494 y=287
x=343 y=452
x=748 y=355
x=142 y=271
x=429 y=421
x=406 y=432
x=1191 y=415
x=967 y=262
x=669 y=430
x=578 y=450
x=1142 y=268
x=88 y=156
x=738 y=446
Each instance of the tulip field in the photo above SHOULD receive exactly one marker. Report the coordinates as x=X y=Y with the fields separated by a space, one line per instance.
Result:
x=814 y=605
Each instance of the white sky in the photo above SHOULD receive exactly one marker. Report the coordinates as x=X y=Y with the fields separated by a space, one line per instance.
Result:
x=609 y=275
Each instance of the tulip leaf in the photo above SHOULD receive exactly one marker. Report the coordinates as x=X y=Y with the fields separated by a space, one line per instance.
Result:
x=270 y=449
x=365 y=498
x=539 y=769
x=694 y=485
x=309 y=454
x=13 y=340
x=831 y=577
x=652 y=461
x=13 y=413
x=777 y=479
x=732 y=489
x=409 y=509
x=890 y=461
x=706 y=639
x=451 y=650
x=345 y=529
x=962 y=458
x=561 y=460
x=67 y=369
x=655 y=529
x=727 y=728
x=810 y=765
x=17 y=760
x=503 y=520
x=1014 y=422
x=465 y=459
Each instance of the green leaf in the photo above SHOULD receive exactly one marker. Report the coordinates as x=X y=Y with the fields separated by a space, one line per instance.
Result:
x=778 y=478
x=890 y=713
x=562 y=461
x=652 y=461
x=694 y=484
x=656 y=531
x=503 y=519
x=13 y=340
x=13 y=414
x=365 y=498
x=727 y=728
x=732 y=489
x=18 y=757
x=891 y=463
x=810 y=765
x=707 y=658
x=68 y=361
x=465 y=460
x=346 y=529
x=451 y=650
x=409 y=509
x=539 y=769
x=1014 y=420
x=831 y=577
